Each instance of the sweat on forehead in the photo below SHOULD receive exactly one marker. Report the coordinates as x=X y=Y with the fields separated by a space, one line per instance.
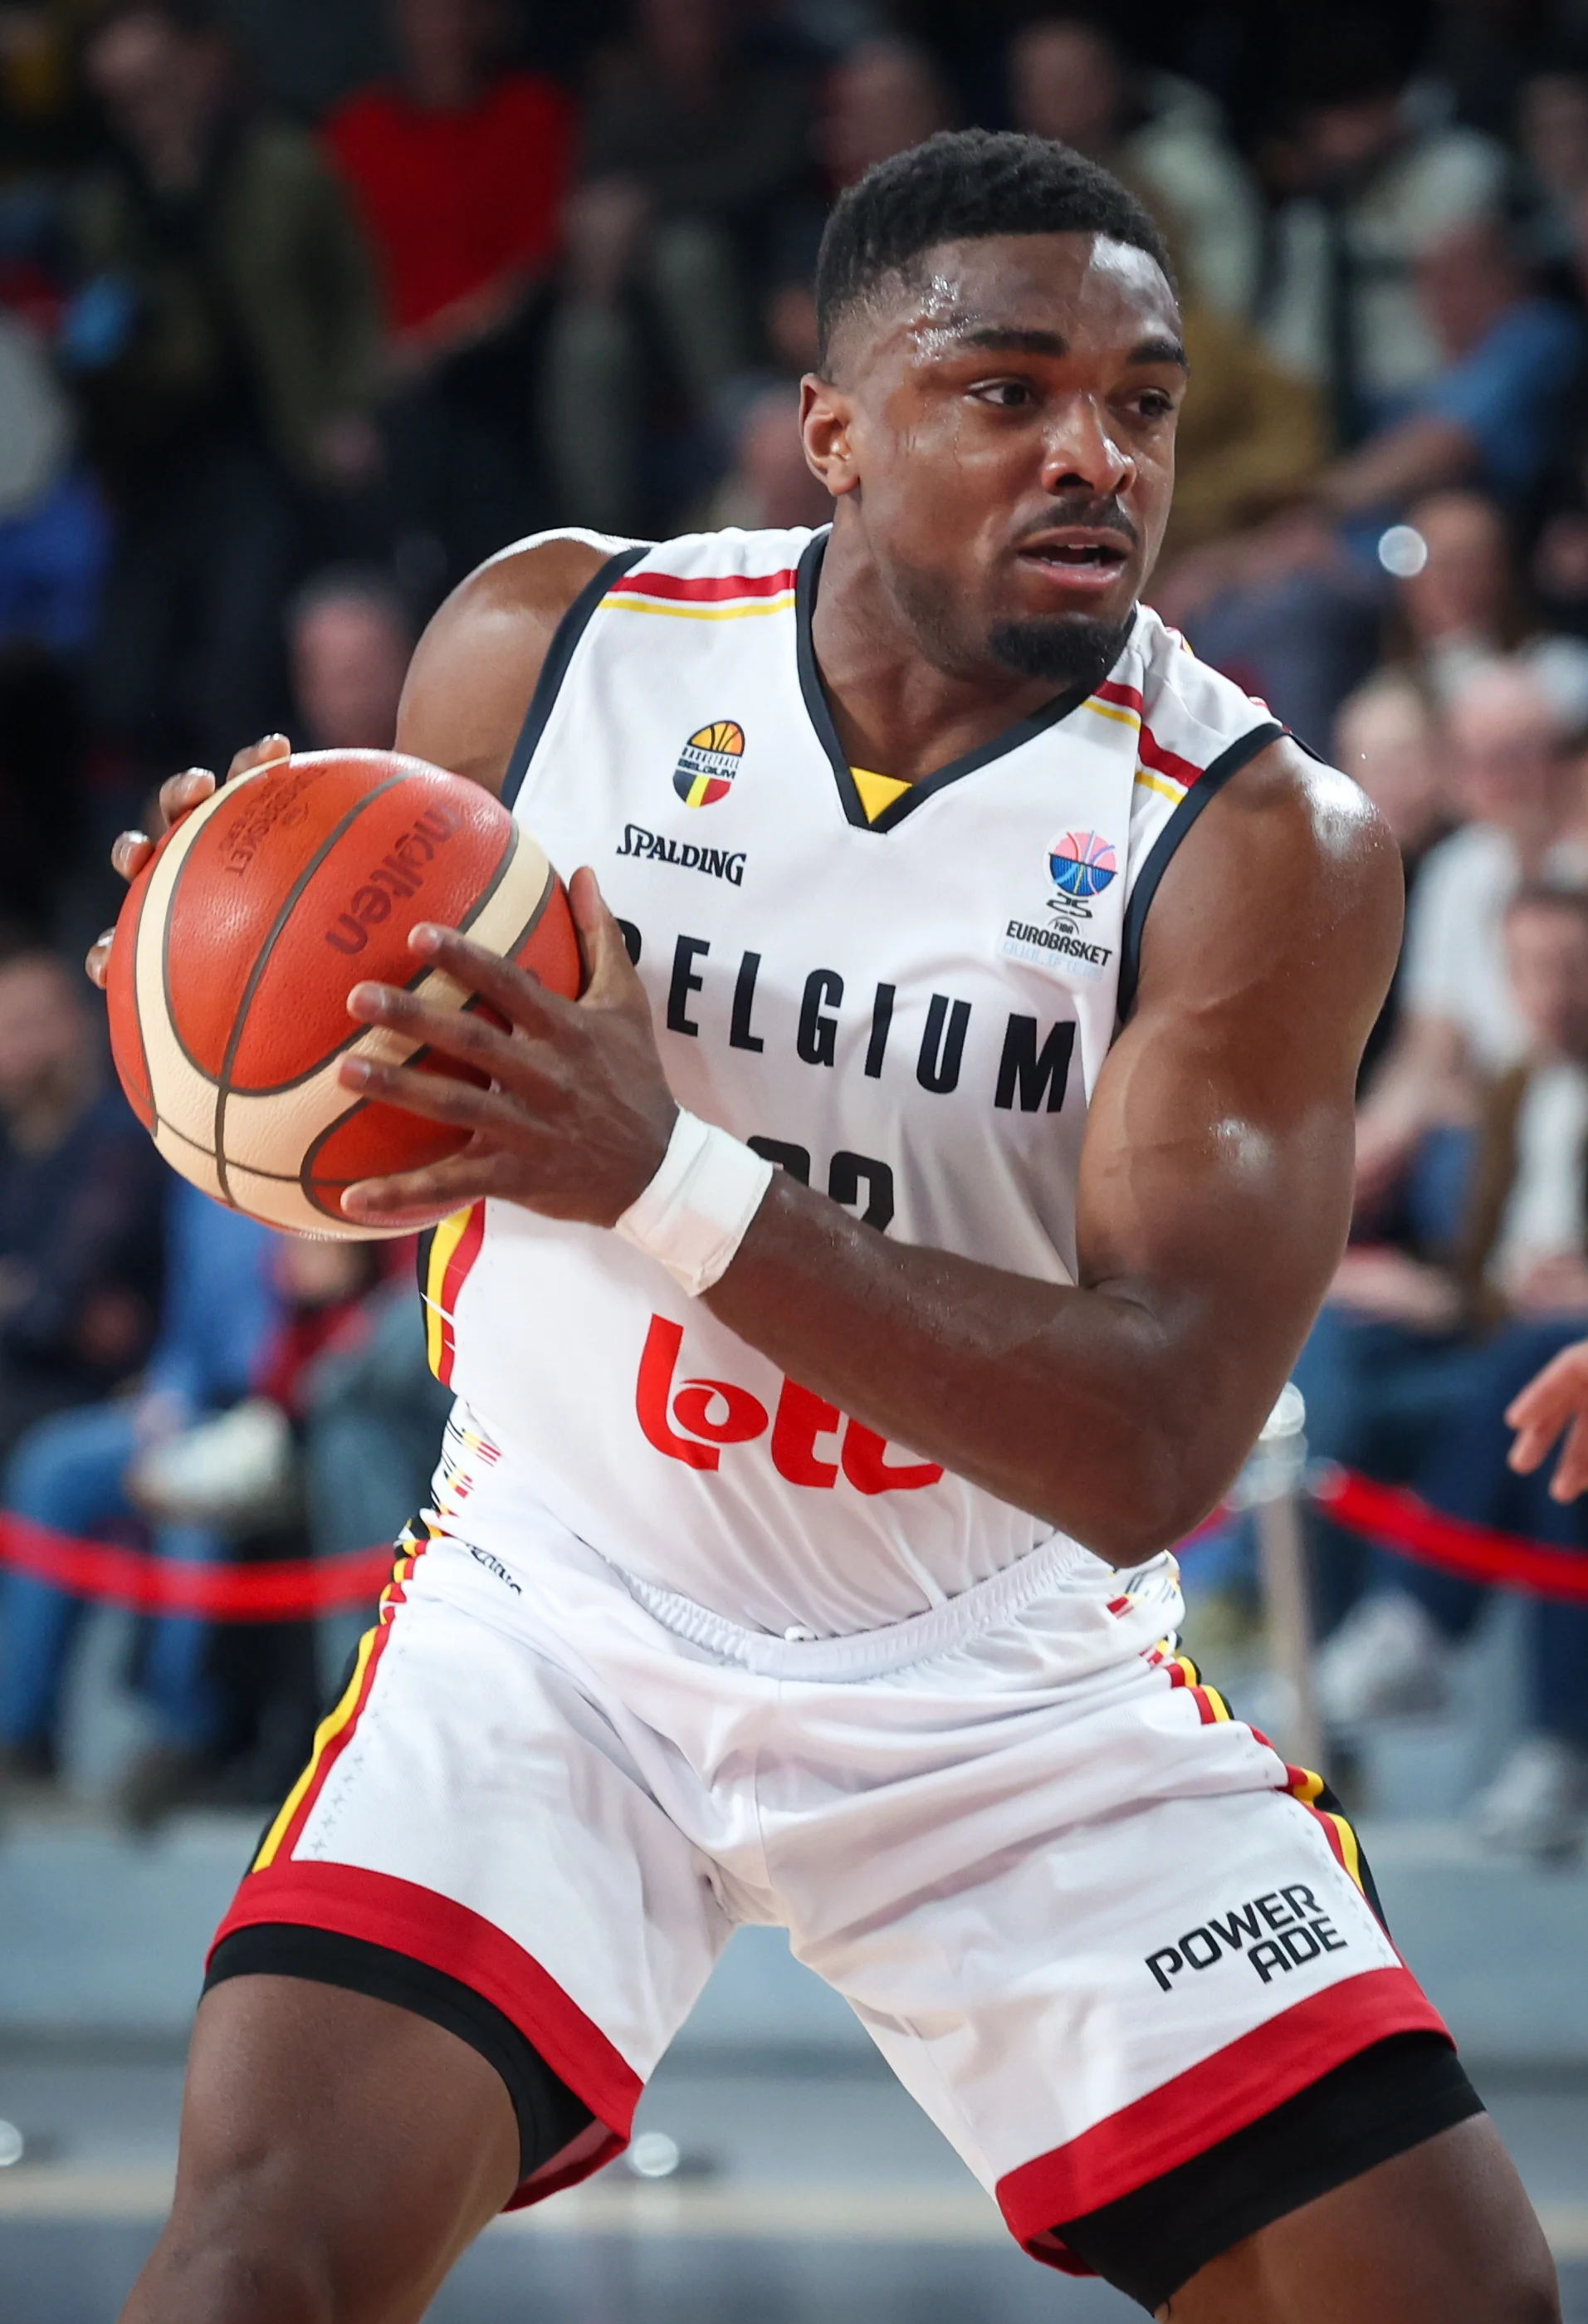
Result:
x=1034 y=296
x=968 y=185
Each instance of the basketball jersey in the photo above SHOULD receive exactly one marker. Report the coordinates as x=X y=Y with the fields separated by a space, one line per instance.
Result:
x=903 y=994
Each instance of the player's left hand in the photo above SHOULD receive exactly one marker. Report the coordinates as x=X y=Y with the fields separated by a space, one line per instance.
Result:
x=1557 y=1399
x=577 y=1116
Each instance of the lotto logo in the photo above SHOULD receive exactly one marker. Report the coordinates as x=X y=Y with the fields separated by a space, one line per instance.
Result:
x=691 y=1421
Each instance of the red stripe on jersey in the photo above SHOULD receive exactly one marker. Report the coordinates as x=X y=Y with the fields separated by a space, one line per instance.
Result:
x=452 y=1283
x=1211 y=2101
x=1129 y=698
x=710 y=587
x=445 y=1935
x=1167 y=762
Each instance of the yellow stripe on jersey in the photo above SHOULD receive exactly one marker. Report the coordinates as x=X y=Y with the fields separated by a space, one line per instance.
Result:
x=1173 y=792
x=443 y=1243
x=877 y=792
x=1131 y=718
x=326 y=1734
x=622 y=602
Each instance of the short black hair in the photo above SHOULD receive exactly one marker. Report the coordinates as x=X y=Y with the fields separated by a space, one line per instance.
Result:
x=960 y=186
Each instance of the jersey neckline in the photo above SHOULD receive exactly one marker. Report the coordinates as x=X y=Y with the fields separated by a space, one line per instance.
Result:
x=807 y=580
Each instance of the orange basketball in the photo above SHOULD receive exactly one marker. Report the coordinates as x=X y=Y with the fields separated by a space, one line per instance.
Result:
x=238 y=944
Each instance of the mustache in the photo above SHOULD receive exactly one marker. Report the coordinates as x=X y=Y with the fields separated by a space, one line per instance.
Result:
x=1105 y=513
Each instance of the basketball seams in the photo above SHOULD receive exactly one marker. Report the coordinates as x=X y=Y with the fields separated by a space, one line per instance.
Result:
x=509 y=952
x=261 y=961
x=423 y=983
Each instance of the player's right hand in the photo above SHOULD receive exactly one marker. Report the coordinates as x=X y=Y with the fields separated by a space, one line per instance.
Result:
x=177 y=797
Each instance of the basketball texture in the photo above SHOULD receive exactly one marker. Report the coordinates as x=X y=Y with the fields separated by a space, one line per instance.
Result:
x=239 y=942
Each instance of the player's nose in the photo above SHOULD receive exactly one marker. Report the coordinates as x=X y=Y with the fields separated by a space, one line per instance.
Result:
x=1080 y=449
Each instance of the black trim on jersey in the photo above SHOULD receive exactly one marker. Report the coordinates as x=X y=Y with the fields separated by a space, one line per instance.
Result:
x=1211 y=780
x=555 y=668
x=805 y=585
x=550 y=2116
x=1384 y=2101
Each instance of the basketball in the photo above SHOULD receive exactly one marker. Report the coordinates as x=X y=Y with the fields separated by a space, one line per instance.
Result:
x=240 y=941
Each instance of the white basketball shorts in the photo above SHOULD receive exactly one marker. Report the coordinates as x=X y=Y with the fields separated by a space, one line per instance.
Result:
x=1093 y=1923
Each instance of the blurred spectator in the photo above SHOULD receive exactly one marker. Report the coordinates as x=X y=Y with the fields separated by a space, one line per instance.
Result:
x=770 y=482
x=349 y=639
x=1552 y=131
x=1494 y=412
x=54 y=536
x=1463 y=605
x=1514 y=780
x=1371 y=190
x=71 y=1474
x=885 y=95
x=460 y=171
x=225 y=337
x=460 y=174
x=1285 y=610
x=80 y=1191
x=1160 y=134
x=1523 y=1261
x=1250 y=437
x=1387 y=737
x=690 y=140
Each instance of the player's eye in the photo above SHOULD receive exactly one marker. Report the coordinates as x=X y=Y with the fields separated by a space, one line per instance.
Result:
x=1006 y=394
x=1155 y=404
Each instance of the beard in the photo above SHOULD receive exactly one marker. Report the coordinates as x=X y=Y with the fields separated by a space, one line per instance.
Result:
x=1072 y=651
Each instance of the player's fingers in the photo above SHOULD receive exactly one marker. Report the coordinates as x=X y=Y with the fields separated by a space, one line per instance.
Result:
x=129 y=852
x=180 y=794
x=434 y=1097
x=517 y=991
x=98 y=961
x=609 y=973
x=262 y=754
x=462 y=1033
x=417 y=1198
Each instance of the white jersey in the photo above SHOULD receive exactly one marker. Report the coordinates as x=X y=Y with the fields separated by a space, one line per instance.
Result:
x=903 y=994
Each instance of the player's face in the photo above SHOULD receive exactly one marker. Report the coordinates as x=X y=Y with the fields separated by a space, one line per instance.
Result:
x=1006 y=434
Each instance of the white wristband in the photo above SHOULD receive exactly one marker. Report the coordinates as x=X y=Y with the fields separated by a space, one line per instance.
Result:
x=697 y=1209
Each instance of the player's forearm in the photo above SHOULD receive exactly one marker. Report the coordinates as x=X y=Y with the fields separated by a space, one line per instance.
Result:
x=1072 y=1404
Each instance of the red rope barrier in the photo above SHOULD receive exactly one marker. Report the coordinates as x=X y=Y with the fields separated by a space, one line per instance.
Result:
x=296 y=1589
x=1398 y=1520
x=282 y=1590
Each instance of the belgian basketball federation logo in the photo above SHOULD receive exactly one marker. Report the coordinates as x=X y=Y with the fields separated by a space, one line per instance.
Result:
x=1083 y=866
x=708 y=763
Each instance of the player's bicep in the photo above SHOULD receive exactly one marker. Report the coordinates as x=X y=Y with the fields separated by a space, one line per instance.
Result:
x=1215 y=1180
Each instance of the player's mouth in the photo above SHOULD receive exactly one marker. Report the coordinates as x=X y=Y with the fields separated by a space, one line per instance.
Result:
x=1078 y=561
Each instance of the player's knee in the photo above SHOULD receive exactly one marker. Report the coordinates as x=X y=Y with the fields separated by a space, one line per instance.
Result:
x=227 y=2259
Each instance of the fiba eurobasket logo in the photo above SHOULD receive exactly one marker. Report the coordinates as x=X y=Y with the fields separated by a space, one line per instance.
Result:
x=1083 y=866
x=708 y=763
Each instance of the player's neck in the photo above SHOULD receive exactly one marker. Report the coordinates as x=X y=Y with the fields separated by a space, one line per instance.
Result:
x=896 y=712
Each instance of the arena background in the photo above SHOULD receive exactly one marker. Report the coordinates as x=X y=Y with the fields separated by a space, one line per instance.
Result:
x=303 y=311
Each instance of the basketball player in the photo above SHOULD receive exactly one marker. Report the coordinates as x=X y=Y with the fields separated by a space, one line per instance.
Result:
x=798 y=1553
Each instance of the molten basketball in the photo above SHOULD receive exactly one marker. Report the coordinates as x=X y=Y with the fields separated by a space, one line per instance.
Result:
x=239 y=942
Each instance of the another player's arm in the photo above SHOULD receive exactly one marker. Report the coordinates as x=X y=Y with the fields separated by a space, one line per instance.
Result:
x=1215 y=1179
x=468 y=691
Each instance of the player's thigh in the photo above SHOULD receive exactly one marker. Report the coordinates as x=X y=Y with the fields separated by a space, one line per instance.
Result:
x=1443 y=2234
x=337 y=2155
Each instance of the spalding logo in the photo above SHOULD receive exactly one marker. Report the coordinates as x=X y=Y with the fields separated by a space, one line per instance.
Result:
x=708 y=763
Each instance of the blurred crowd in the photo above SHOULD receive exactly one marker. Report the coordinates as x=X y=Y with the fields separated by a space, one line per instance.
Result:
x=305 y=309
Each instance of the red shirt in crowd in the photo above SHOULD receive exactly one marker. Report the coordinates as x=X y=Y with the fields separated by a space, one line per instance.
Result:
x=454 y=200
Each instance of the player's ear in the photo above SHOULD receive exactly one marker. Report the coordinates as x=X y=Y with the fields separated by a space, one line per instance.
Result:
x=825 y=415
